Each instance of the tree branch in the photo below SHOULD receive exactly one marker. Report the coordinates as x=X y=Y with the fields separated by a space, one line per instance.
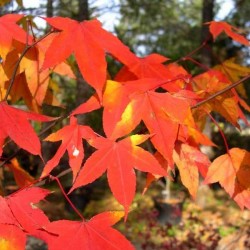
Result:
x=221 y=92
x=27 y=48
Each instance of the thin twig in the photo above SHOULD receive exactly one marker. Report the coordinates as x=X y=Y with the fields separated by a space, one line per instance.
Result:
x=220 y=92
x=192 y=52
x=27 y=48
x=66 y=196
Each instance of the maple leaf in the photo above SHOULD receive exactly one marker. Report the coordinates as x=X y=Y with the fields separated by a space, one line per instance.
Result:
x=90 y=56
x=95 y=234
x=211 y=82
x=119 y=159
x=33 y=85
x=14 y=123
x=20 y=217
x=37 y=79
x=151 y=66
x=161 y=112
x=232 y=170
x=115 y=100
x=190 y=161
x=22 y=206
x=9 y=31
x=91 y=104
x=11 y=237
x=232 y=72
x=216 y=28
x=22 y=177
x=147 y=67
x=71 y=137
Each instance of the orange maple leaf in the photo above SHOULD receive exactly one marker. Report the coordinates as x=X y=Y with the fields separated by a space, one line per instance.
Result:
x=216 y=28
x=71 y=137
x=232 y=171
x=119 y=159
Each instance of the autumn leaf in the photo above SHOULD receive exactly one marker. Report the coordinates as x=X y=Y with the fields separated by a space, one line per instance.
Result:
x=97 y=233
x=22 y=205
x=90 y=56
x=9 y=31
x=216 y=28
x=91 y=104
x=31 y=83
x=232 y=170
x=20 y=217
x=190 y=161
x=234 y=72
x=158 y=111
x=146 y=67
x=71 y=137
x=153 y=177
x=211 y=82
x=119 y=160
x=11 y=237
x=115 y=100
x=22 y=177
x=14 y=123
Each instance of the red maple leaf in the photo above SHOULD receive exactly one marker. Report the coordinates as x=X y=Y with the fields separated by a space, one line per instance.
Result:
x=20 y=217
x=89 y=46
x=14 y=123
x=147 y=67
x=9 y=31
x=218 y=27
x=161 y=112
x=12 y=237
x=119 y=159
x=91 y=104
x=95 y=234
x=71 y=137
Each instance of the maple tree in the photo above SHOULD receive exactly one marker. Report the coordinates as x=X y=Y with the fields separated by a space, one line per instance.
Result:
x=153 y=92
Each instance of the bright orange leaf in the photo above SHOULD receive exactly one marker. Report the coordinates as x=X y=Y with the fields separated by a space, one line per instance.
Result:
x=232 y=171
x=216 y=28
x=162 y=114
x=190 y=161
x=71 y=137
x=9 y=31
x=119 y=159
x=148 y=67
x=211 y=82
x=22 y=177
x=90 y=56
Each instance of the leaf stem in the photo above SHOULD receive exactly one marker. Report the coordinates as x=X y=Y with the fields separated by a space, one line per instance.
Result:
x=192 y=52
x=221 y=132
x=220 y=92
x=26 y=49
x=66 y=196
